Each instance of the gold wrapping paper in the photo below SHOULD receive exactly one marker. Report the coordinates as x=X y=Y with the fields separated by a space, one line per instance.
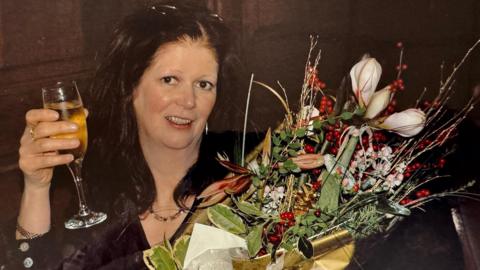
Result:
x=332 y=252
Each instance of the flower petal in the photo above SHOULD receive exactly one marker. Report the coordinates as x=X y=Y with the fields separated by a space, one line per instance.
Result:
x=407 y=123
x=378 y=103
x=365 y=76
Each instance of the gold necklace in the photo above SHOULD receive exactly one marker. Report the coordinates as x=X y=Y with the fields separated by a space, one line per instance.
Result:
x=166 y=218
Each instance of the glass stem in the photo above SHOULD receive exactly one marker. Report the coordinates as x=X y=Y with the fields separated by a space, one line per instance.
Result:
x=75 y=168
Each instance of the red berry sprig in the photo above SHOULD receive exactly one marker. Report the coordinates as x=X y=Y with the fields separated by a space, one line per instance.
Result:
x=422 y=193
x=405 y=201
x=309 y=148
x=326 y=105
x=397 y=85
x=316 y=185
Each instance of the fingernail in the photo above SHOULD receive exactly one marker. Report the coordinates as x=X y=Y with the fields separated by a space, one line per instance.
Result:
x=54 y=114
x=72 y=127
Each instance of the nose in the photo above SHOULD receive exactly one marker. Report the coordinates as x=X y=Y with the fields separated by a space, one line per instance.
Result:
x=186 y=97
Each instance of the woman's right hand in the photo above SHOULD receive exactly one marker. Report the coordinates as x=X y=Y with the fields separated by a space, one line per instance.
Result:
x=39 y=152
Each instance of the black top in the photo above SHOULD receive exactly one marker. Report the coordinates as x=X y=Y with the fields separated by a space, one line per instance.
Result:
x=117 y=244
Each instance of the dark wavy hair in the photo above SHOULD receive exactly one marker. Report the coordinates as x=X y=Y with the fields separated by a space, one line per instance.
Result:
x=114 y=164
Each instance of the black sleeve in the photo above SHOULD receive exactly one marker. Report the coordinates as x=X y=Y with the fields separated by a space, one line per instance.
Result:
x=39 y=253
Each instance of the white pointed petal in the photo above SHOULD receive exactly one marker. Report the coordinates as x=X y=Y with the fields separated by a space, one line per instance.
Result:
x=407 y=123
x=365 y=76
x=378 y=103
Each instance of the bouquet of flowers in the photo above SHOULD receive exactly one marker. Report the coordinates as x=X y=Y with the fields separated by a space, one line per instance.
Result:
x=345 y=166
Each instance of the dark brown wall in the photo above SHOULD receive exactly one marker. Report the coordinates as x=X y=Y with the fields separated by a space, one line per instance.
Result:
x=43 y=41
x=276 y=39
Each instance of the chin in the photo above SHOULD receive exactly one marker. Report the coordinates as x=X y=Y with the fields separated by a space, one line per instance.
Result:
x=180 y=143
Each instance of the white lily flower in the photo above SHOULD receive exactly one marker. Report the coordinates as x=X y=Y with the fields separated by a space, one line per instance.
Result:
x=406 y=123
x=378 y=103
x=365 y=76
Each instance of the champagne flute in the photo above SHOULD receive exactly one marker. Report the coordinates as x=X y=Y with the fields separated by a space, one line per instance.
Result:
x=65 y=99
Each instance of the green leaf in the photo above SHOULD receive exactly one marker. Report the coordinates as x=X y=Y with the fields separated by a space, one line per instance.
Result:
x=224 y=218
x=160 y=258
x=180 y=249
x=276 y=149
x=254 y=240
x=295 y=169
x=292 y=153
x=317 y=124
x=282 y=170
x=330 y=193
x=283 y=135
x=300 y=132
x=295 y=146
x=287 y=246
x=276 y=140
x=249 y=209
x=346 y=115
x=331 y=120
x=309 y=219
x=256 y=181
x=288 y=164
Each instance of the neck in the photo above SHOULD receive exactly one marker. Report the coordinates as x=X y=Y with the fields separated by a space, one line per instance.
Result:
x=168 y=167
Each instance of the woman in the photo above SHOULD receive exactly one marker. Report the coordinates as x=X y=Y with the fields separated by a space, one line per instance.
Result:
x=146 y=163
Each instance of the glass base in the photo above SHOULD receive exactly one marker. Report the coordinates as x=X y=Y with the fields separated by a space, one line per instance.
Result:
x=84 y=221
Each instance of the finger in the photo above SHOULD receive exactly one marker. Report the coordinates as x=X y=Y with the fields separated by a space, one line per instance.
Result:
x=46 y=145
x=54 y=160
x=86 y=112
x=33 y=117
x=30 y=165
x=47 y=129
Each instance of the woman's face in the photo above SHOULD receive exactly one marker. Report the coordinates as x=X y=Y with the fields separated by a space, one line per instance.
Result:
x=176 y=94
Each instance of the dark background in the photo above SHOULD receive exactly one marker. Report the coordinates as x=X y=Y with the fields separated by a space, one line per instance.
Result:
x=44 y=41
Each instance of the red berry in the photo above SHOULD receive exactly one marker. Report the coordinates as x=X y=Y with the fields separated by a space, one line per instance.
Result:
x=291 y=223
x=399 y=44
x=356 y=187
x=316 y=185
x=318 y=213
x=441 y=162
x=405 y=201
x=404 y=66
x=309 y=148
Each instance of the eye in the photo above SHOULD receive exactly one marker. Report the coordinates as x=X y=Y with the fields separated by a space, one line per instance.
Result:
x=205 y=85
x=169 y=80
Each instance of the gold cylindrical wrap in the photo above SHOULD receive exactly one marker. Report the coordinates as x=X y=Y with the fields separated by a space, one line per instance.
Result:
x=332 y=252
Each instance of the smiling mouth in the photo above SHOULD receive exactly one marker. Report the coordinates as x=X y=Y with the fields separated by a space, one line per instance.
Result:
x=178 y=120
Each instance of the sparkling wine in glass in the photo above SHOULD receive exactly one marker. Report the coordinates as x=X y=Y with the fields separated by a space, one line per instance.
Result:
x=65 y=99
